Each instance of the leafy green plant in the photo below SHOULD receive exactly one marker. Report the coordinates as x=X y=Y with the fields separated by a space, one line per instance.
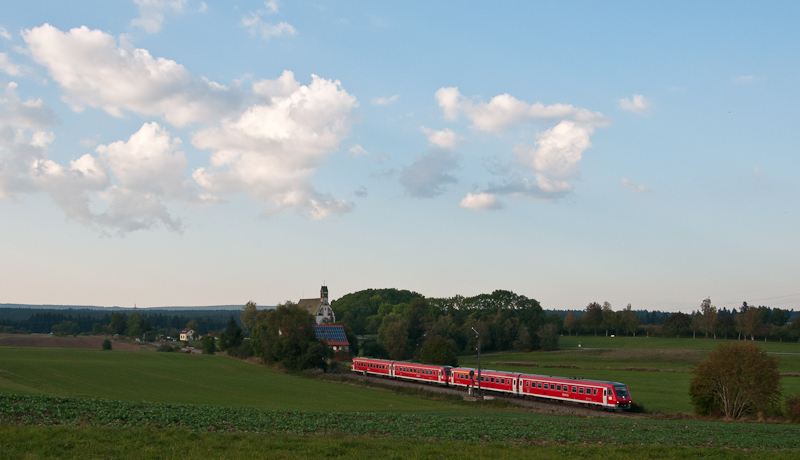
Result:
x=106 y=344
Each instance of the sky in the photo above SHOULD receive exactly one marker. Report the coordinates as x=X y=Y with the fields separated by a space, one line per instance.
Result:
x=179 y=152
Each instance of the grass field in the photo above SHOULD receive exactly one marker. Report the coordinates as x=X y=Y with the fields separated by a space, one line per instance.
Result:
x=186 y=379
x=662 y=372
x=25 y=442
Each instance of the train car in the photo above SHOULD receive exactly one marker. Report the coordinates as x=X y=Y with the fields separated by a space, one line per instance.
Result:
x=610 y=395
x=422 y=372
x=368 y=366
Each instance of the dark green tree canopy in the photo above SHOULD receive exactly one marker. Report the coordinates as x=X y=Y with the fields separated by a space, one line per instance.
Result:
x=286 y=335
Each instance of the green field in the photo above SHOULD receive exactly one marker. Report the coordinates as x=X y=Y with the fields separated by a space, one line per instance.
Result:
x=186 y=379
x=25 y=442
x=656 y=370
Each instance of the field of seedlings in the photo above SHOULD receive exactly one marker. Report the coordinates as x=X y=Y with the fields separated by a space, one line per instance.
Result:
x=490 y=426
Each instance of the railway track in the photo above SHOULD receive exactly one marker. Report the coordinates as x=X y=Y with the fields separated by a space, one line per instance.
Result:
x=537 y=405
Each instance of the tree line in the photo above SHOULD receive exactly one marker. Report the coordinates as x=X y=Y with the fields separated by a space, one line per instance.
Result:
x=136 y=324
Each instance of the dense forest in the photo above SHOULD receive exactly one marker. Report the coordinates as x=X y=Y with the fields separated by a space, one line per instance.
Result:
x=133 y=323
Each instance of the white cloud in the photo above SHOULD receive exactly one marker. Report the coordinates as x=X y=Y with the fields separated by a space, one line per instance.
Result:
x=446 y=138
x=637 y=104
x=4 y=33
x=272 y=150
x=558 y=150
x=480 y=202
x=634 y=187
x=93 y=70
x=429 y=173
x=7 y=66
x=504 y=111
x=151 y=13
x=280 y=87
x=256 y=26
x=744 y=79
x=358 y=150
x=385 y=100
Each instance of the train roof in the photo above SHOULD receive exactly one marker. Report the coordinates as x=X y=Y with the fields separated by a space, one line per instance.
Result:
x=575 y=379
x=406 y=362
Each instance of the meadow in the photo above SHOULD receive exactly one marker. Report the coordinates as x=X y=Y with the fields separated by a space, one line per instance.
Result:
x=186 y=379
x=656 y=370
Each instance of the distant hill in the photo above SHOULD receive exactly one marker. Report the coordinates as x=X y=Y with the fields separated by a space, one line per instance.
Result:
x=123 y=309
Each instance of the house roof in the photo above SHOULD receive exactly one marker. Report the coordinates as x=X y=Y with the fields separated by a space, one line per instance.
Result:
x=334 y=334
x=186 y=331
x=310 y=305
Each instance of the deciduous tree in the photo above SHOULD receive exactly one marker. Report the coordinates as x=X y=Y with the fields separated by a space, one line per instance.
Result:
x=735 y=379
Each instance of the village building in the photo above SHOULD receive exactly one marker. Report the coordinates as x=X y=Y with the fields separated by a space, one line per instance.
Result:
x=187 y=335
x=335 y=336
x=319 y=308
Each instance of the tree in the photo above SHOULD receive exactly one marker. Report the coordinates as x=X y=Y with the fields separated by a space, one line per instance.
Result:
x=609 y=318
x=725 y=326
x=628 y=320
x=675 y=323
x=393 y=335
x=232 y=337
x=593 y=317
x=710 y=316
x=749 y=321
x=248 y=316
x=438 y=350
x=696 y=323
x=735 y=379
x=106 y=344
x=548 y=337
x=118 y=323
x=286 y=335
x=209 y=345
x=570 y=323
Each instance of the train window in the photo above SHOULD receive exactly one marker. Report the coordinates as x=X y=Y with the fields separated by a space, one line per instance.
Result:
x=594 y=391
x=580 y=390
x=492 y=379
x=574 y=390
x=539 y=385
x=558 y=387
x=502 y=380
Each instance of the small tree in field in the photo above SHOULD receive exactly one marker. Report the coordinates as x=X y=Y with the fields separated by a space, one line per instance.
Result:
x=735 y=379
x=106 y=344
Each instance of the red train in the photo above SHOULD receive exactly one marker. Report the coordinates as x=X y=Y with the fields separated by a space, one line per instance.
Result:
x=608 y=395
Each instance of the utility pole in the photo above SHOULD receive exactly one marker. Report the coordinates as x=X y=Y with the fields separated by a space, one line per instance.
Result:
x=479 y=396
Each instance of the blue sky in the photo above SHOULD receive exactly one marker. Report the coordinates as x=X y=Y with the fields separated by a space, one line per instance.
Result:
x=177 y=152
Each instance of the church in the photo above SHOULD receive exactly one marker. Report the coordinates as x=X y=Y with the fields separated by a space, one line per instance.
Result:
x=319 y=308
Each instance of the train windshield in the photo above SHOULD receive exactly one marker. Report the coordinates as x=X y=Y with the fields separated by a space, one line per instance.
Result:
x=622 y=392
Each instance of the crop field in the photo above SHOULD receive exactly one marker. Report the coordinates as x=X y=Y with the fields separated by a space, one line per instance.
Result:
x=62 y=442
x=186 y=379
x=487 y=427
x=657 y=377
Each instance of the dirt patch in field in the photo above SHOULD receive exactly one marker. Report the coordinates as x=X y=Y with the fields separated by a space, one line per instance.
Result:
x=46 y=341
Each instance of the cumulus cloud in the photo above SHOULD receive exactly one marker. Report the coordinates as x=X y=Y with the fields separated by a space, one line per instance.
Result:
x=271 y=151
x=558 y=150
x=445 y=138
x=504 y=111
x=634 y=187
x=7 y=66
x=94 y=70
x=480 y=202
x=257 y=26
x=151 y=13
x=4 y=33
x=429 y=174
x=637 y=104
x=385 y=100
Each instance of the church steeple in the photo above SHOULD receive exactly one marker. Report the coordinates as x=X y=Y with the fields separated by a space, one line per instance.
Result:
x=323 y=295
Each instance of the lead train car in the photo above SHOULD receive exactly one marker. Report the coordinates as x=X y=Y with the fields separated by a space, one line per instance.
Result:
x=611 y=395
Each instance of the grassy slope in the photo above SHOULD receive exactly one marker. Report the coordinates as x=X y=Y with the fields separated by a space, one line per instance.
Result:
x=185 y=379
x=606 y=358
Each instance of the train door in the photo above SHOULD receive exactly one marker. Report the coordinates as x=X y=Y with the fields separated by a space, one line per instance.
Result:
x=605 y=396
x=391 y=370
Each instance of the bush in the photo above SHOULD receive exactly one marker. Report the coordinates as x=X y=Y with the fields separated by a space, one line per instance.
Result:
x=243 y=351
x=106 y=344
x=736 y=378
x=166 y=347
x=209 y=345
x=793 y=408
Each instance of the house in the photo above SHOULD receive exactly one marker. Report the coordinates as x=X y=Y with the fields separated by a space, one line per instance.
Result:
x=334 y=335
x=187 y=335
x=319 y=308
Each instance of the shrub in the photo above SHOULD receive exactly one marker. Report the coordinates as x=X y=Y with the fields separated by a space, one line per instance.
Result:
x=106 y=344
x=243 y=351
x=735 y=379
x=209 y=345
x=793 y=408
x=166 y=347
